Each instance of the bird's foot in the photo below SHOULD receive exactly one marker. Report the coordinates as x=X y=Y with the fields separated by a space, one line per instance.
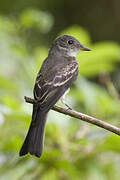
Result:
x=68 y=107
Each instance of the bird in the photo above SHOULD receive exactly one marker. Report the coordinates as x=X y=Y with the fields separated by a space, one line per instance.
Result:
x=57 y=73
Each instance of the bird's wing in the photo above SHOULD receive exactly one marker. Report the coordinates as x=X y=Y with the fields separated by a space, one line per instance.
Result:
x=49 y=88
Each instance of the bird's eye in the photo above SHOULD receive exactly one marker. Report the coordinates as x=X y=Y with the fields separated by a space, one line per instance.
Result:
x=70 y=42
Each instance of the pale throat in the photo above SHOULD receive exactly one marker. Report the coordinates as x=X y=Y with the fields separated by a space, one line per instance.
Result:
x=73 y=53
x=68 y=52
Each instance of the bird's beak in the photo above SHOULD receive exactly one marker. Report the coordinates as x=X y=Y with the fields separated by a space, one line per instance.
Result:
x=83 y=48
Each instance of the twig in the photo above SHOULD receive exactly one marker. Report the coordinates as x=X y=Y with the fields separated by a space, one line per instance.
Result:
x=81 y=116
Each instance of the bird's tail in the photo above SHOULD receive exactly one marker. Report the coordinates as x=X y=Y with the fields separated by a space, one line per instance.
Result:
x=34 y=140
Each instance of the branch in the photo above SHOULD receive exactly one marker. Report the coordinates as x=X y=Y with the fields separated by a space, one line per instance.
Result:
x=81 y=116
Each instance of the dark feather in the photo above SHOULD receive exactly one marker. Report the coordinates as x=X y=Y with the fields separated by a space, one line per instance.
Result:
x=34 y=140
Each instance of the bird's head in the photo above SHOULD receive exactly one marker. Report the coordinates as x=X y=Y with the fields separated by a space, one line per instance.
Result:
x=68 y=46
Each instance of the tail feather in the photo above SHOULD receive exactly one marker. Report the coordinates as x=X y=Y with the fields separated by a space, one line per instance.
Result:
x=34 y=140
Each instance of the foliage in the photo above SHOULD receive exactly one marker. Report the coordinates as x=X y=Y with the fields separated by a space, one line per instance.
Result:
x=73 y=149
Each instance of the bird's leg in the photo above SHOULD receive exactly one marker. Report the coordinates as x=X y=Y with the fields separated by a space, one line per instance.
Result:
x=63 y=100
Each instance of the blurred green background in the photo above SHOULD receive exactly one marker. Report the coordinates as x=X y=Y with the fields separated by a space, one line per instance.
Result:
x=74 y=150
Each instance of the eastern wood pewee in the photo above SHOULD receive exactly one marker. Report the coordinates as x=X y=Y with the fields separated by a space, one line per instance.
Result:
x=56 y=75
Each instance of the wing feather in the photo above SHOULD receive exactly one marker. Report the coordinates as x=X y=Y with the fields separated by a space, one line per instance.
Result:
x=49 y=90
